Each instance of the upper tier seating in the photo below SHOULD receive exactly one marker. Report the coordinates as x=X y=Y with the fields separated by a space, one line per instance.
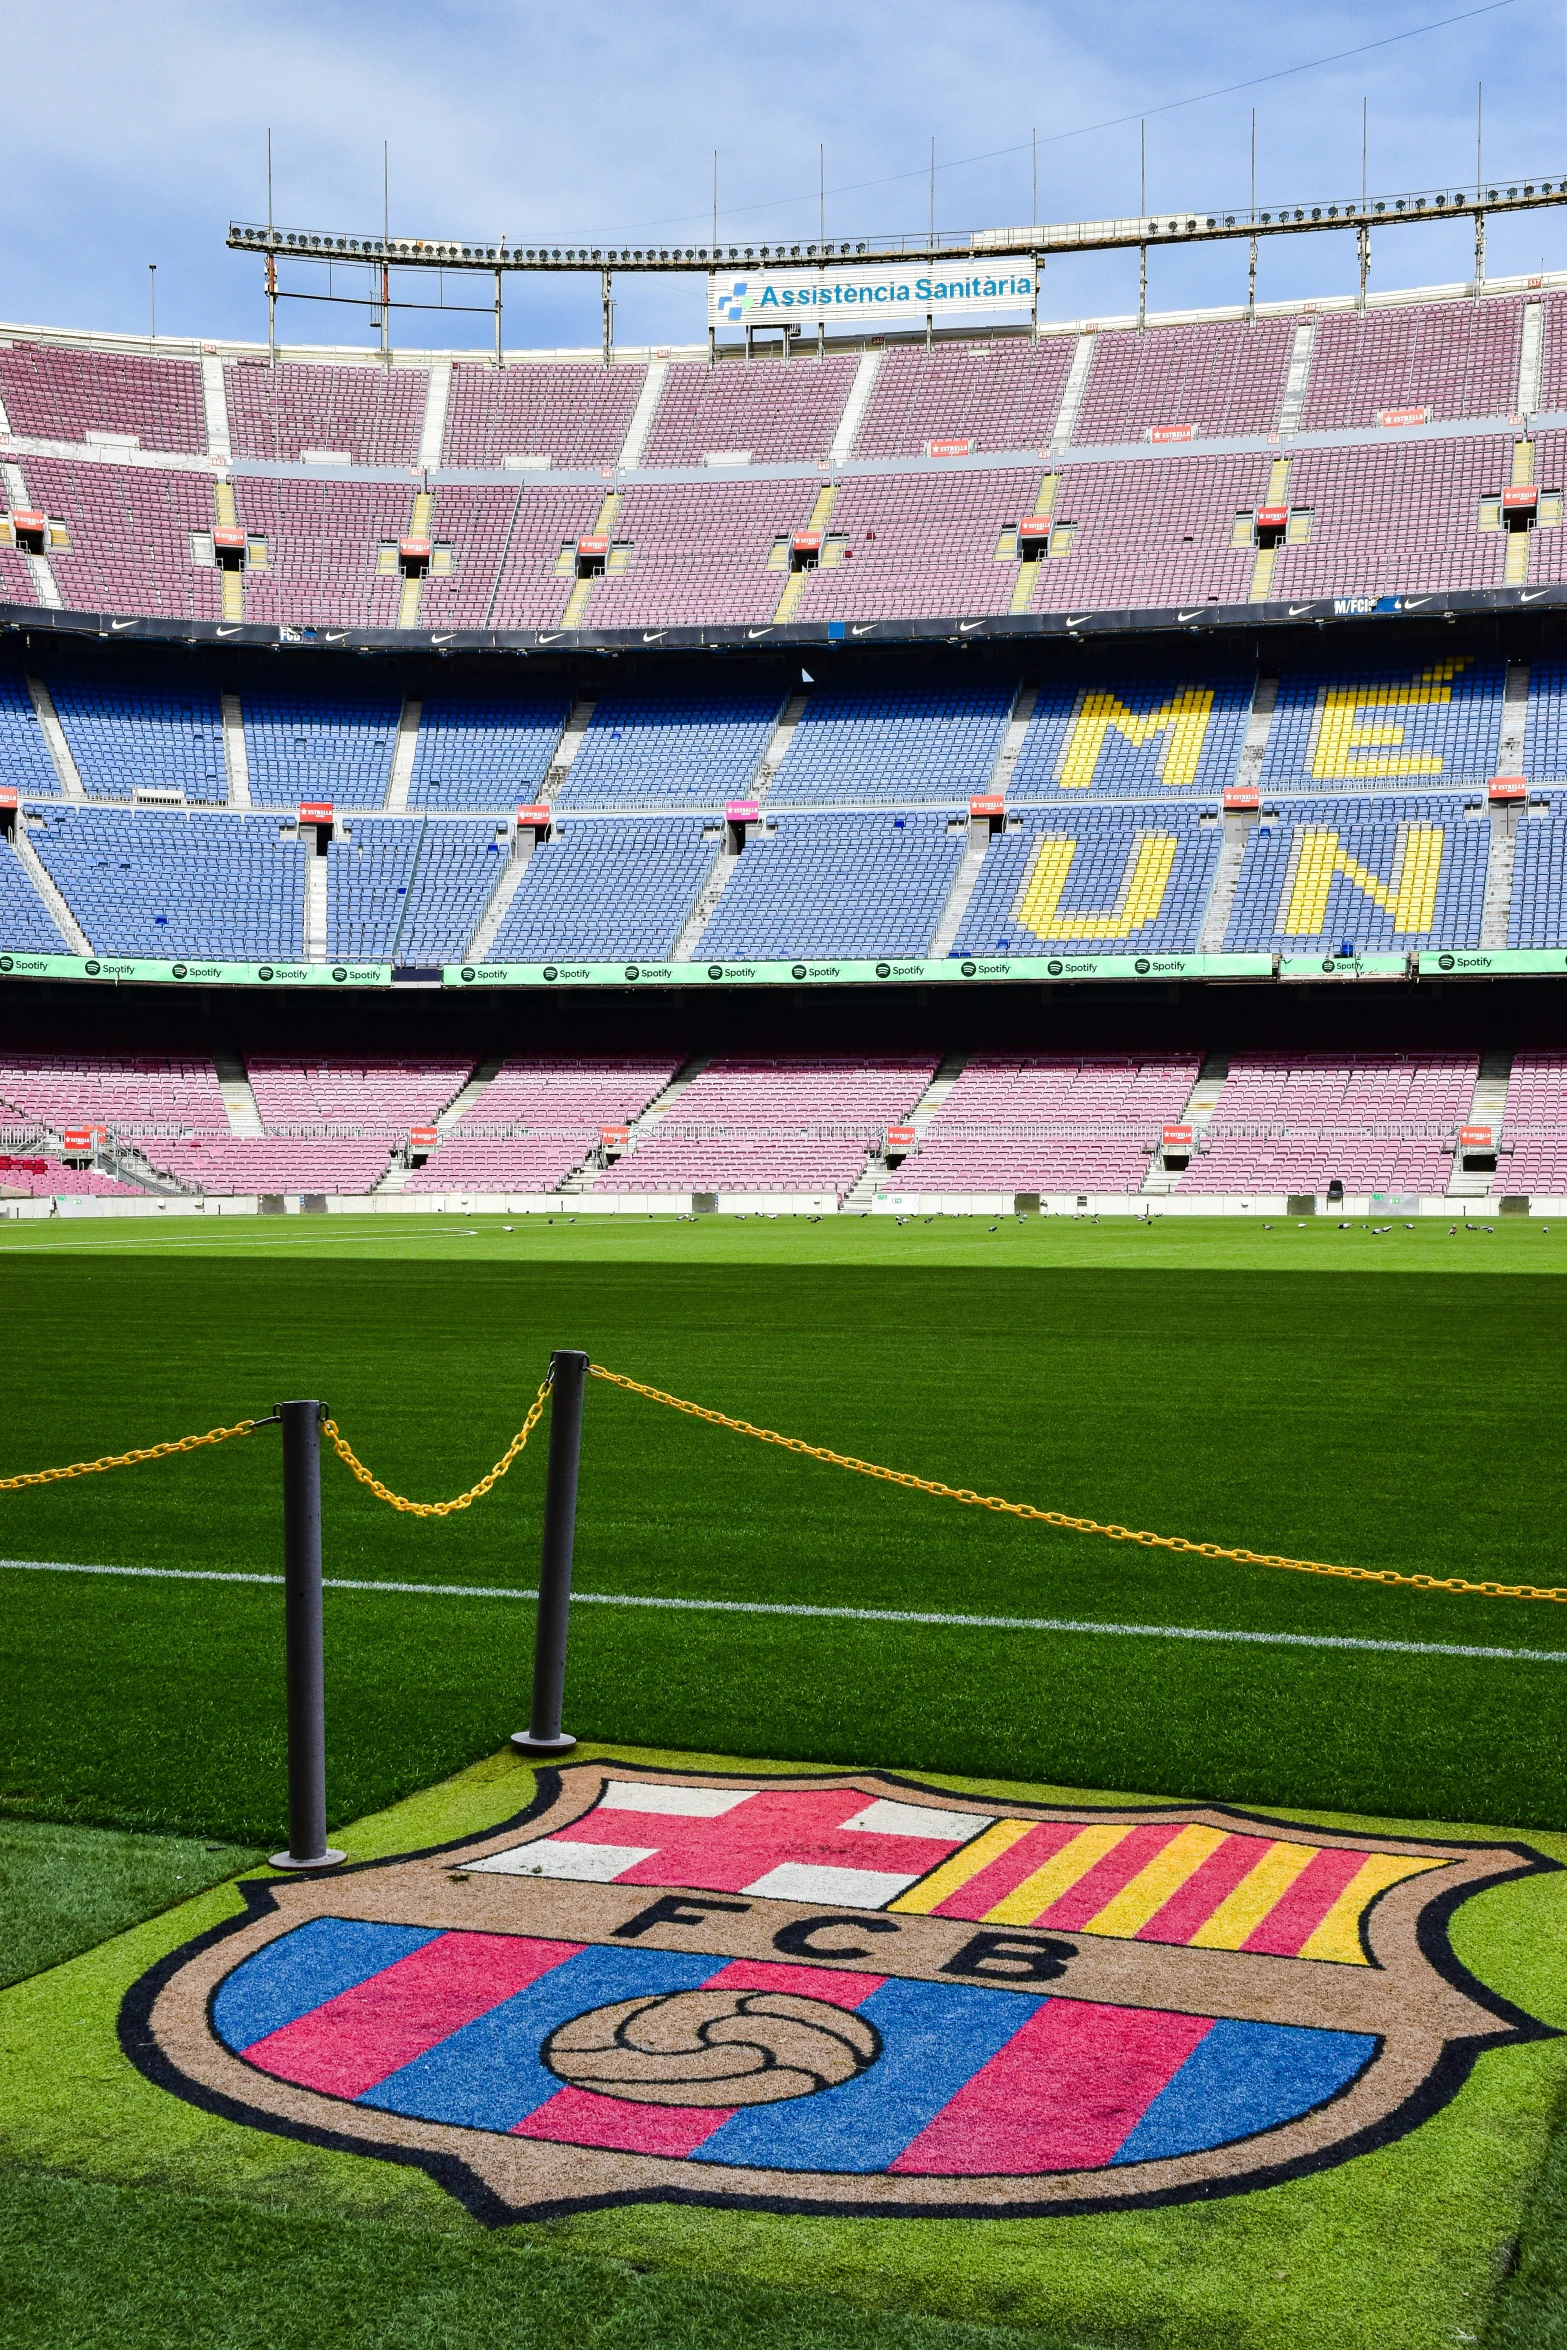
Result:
x=571 y=413
x=54 y=393
x=1457 y=359
x=1002 y=395
x=130 y=530
x=1227 y=377
x=372 y=415
x=773 y=409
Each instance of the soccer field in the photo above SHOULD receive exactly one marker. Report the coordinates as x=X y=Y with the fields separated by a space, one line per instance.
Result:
x=1380 y=1400
x=1383 y=1400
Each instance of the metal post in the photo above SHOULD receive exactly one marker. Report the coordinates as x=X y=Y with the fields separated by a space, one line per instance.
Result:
x=544 y=1735
x=499 y=358
x=609 y=332
x=1142 y=287
x=1364 y=238
x=1251 y=281
x=1479 y=252
x=307 y=1844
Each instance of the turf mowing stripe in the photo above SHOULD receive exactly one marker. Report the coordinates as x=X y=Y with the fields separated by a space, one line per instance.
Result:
x=853 y=1615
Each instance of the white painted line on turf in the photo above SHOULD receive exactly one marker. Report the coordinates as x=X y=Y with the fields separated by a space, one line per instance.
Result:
x=852 y=1615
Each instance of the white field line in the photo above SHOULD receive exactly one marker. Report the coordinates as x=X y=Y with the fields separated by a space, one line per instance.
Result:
x=852 y=1615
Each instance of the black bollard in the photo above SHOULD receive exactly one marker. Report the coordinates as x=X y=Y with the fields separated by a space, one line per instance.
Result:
x=544 y=1735
x=307 y=1844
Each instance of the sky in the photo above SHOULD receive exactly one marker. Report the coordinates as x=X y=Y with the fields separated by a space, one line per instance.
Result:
x=135 y=133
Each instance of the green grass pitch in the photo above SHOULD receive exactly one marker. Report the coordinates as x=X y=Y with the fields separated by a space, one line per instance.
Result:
x=1386 y=1399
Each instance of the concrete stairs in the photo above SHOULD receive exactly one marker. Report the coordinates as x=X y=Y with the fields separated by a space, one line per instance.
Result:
x=794 y=586
x=315 y=906
x=957 y=905
x=1073 y=392
x=1226 y=879
x=582 y=589
x=468 y=1097
x=704 y=904
x=419 y=523
x=1029 y=565
x=438 y=392
x=403 y=751
x=215 y=403
x=778 y=743
x=1201 y=1103
x=231 y=578
x=239 y=1103
x=53 y=732
x=567 y=748
x=496 y=911
x=854 y=408
x=649 y=1120
x=39 y=568
x=236 y=754
x=1487 y=1108
x=1298 y=379
x=642 y=416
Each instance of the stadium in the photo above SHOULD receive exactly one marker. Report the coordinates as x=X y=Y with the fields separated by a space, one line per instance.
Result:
x=908 y=958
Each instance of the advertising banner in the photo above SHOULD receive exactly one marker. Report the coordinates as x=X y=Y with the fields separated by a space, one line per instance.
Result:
x=948 y=286
x=1485 y=963
x=197 y=974
x=953 y=969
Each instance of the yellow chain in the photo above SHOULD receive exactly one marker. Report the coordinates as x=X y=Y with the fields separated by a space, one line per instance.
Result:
x=438 y=1509
x=1023 y=1509
x=128 y=1460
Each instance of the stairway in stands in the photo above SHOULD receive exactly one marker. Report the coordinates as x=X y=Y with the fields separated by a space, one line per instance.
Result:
x=1201 y=1103
x=1487 y=1108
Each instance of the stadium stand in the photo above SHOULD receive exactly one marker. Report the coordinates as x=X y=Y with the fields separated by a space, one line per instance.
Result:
x=1363 y=876
x=130 y=1094
x=536 y=1122
x=670 y=749
x=1227 y=377
x=1371 y=1122
x=837 y=885
x=127 y=738
x=772 y=410
x=1105 y=882
x=1134 y=737
x=24 y=755
x=1537 y=916
x=1048 y=1123
x=25 y=1175
x=1001 y=395
x=1532 y=1157
x=484 y=750
x=567 y=413
x=249 y=1165
x=603 y=888
x=855 y=744
x=162 y=884
x=1397 y=725
x=1454 y=359
x=127 y=533
x=774 y=1125
x=26 y=923
x=56 y=393
x=382 y=1094
x=366 y=415
x=305 y=745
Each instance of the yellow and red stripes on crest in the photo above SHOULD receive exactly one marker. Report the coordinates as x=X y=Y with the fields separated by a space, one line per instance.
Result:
x=1159 y=1881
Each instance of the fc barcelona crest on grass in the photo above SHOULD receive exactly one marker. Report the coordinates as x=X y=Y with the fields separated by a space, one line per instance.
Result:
x=843 y=1993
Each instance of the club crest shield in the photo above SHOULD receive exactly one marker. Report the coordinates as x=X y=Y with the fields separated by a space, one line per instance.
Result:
x=843 y=1993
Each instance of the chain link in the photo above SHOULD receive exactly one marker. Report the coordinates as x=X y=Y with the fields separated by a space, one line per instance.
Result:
x=438 y=1509
x=128 y=1460
x=1023 y=1509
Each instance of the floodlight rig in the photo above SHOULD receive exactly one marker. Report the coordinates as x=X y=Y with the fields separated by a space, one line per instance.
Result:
x=380 y=255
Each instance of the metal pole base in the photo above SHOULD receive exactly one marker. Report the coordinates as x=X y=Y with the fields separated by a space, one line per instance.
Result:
x=323 y=1860
x=525 y=1744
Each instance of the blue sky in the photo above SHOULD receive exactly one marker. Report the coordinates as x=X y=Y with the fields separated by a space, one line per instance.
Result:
x=135 y=132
